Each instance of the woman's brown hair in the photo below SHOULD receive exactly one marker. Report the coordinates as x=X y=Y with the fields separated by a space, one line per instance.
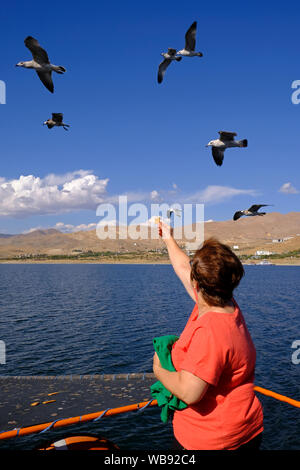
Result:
x=217 y=271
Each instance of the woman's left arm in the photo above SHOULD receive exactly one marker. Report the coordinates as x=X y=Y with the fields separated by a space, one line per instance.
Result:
x=184 y=385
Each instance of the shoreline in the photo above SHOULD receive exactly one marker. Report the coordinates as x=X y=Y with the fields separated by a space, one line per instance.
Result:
x=138 y=261
x=110 y=261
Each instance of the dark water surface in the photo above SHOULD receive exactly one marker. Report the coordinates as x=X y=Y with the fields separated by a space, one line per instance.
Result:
x=95 y=319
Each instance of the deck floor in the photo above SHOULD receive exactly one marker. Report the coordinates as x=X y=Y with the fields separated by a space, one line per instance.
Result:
x=67 y=396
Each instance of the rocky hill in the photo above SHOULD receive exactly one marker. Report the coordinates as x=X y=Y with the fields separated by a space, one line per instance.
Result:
x=274 y=232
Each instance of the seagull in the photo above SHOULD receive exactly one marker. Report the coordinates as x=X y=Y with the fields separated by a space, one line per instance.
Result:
x=173 y=211
x=57 y=120
x=168 y=57
x=253 y=210
x=40 y=63
x=226 y=140
x=190 y=43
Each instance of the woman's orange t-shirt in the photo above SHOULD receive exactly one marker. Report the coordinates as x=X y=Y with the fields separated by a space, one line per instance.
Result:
x=218 y=348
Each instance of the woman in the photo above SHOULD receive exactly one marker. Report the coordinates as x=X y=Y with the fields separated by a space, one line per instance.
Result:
x=214 y=357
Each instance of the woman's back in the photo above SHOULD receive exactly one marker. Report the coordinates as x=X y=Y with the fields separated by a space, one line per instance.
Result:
x=217 y=347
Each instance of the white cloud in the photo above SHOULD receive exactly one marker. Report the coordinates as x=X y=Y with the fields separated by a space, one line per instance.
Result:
x=62 y=227
x=155 y=196
x=214 y=194
x=210 y=195
x=53 y=179
x=288 y=188
x=33 y=229
x=54 y=194
x=152 y=222
x=83 y=190
x=70 y=228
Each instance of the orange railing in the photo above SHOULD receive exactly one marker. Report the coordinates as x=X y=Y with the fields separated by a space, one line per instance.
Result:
x=113 y=411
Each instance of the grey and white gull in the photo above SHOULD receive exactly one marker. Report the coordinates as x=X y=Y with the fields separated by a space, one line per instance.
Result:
x=168 y=58
x=252 y=211
x=172 y=210
x=40 y=63
x=190 y=43
x=226 y=140
x=57 y=120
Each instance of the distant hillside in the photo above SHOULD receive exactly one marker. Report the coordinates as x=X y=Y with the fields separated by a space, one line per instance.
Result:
x=259 y=232
x=248 y=233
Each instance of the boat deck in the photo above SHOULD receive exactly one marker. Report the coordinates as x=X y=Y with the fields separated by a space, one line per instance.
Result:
x=30 y=400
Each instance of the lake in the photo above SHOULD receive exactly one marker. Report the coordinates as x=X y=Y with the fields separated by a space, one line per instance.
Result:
x=93 y=319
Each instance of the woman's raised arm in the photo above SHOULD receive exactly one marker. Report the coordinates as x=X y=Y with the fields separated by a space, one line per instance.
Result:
x=180 y=261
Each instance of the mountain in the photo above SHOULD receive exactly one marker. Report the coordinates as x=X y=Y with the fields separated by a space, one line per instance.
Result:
x=272 y=232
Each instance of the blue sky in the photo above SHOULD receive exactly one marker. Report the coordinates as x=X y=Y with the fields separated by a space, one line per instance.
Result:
x=128 y=134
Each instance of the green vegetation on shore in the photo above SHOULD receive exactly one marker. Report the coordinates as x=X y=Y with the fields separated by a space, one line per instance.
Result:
x=155 y=256
x=102 y=255
x=289 y=254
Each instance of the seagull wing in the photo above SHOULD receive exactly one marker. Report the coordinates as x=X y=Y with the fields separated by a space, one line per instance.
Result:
x=256 y=207
x=171 y=51
x=38 y=53
x=218 y=155
x=227 y=136
x=190 y=37
x=57 y=117
x=46 y=79
x=162 y=69
x=237 y=215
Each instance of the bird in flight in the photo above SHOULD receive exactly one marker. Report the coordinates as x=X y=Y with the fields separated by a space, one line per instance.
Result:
x=57 y=120
x=40 y=63
x=190 y=43
x=226 y=140
x=173 y=211
x=168 y=58
x=252 y=211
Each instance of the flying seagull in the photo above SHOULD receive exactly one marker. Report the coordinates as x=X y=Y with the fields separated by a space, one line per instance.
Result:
x=190 y=43
x=168 y=58
x=173 y=211
x=57 y=120
x=40 y=63
x=253 y=210
x=226 y=140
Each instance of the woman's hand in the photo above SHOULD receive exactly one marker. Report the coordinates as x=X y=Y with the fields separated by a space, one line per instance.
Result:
x=180 y=261
x=156 y=361
x=184 y=385
x=165 y=231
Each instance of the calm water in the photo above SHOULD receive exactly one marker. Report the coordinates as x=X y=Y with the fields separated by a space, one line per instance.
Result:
x=93 y=319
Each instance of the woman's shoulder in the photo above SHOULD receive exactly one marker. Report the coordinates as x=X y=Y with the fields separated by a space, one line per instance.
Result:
x=220 y=320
